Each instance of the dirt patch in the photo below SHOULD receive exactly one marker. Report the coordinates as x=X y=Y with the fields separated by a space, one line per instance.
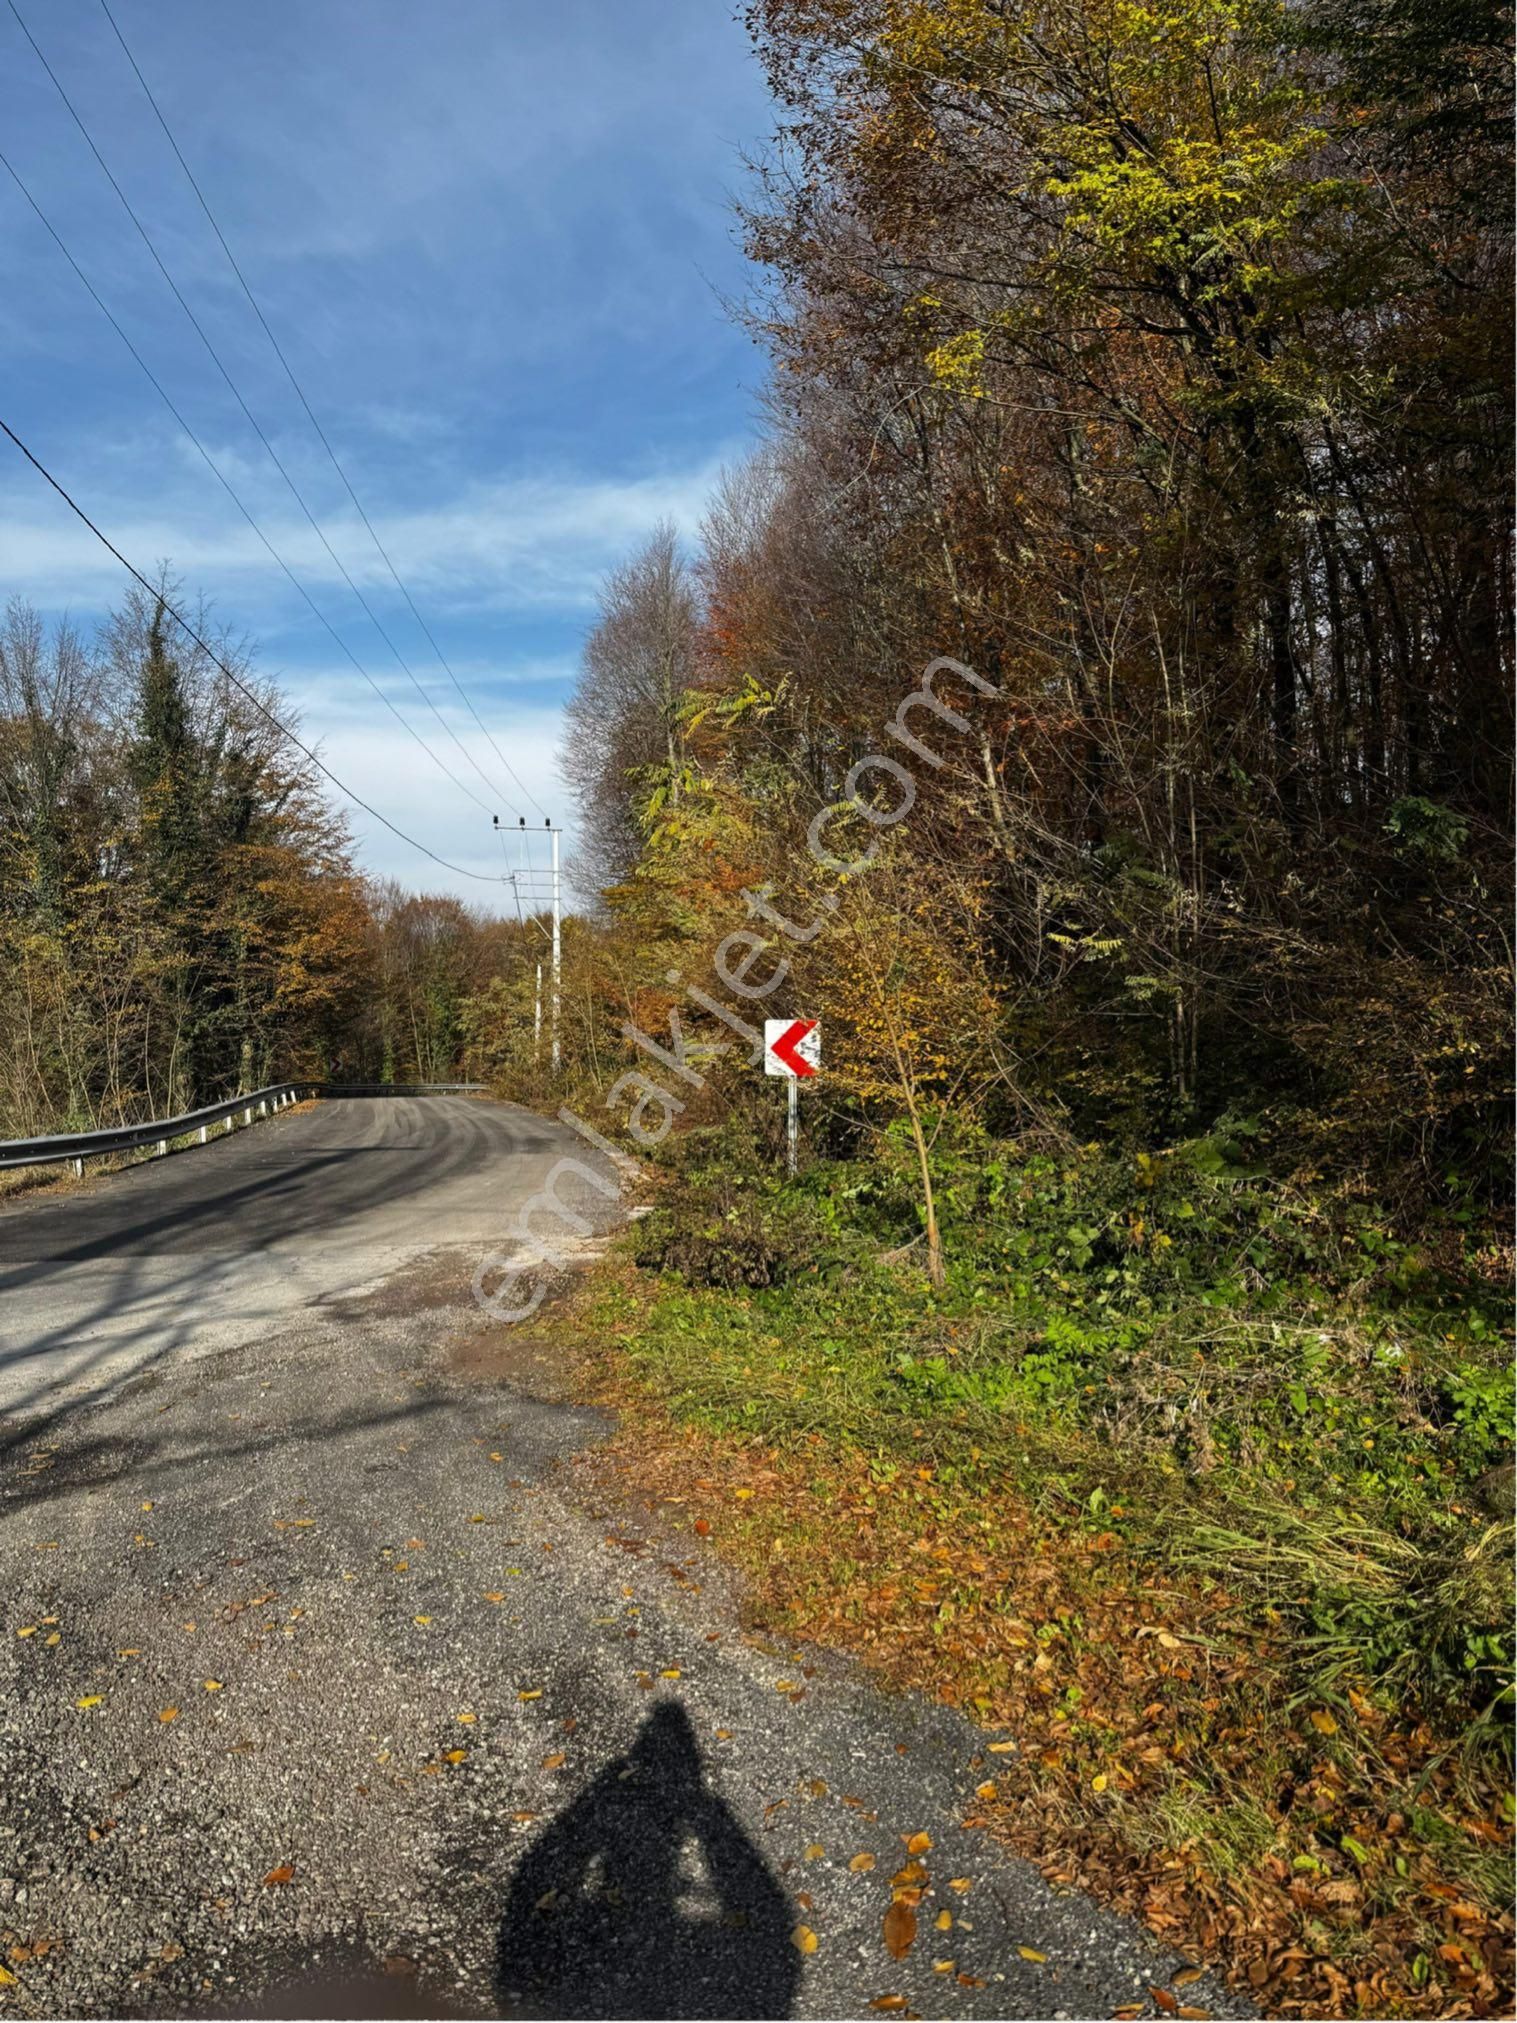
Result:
x=436 y=1280
x=501 y=1355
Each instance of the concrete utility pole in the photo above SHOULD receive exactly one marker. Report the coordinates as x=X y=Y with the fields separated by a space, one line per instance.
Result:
x=557 y=952
x=555 y=1051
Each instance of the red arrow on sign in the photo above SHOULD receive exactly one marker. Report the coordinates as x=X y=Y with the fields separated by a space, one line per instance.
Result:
x=787 y=1047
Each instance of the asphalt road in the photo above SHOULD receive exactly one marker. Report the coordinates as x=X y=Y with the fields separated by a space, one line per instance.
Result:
x=329 y=1686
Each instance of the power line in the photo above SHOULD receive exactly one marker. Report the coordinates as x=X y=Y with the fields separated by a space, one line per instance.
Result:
x=484 y=878
x=227 y=485
x=321 y=433
x=251 y=418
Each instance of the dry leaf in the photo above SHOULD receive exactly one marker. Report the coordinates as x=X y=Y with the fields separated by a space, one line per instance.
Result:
x=1001 y=1748
x=455 y=1755
x=1323 y=1722
x=944 y=1921
x=497 y=1597
x=1032 y=1953
x=213 y=1685
x=168 y=1714
x=987 y=1790
x=1195 y=2015
x=815 y=1851
x=90 y=1700
x=467 y=1718
x=900 y=1929
x=1165 y=2000
x=1098 y=1782
x=29 y=1631
x=943 y=1966
x=532 y=1693
x=804 y=1939
x=961 y=1883
x=888 y=2002
x=784 y=1685
x=283 y=1874
x=556 y=1761
x=918 y=1843
x=862 y=1864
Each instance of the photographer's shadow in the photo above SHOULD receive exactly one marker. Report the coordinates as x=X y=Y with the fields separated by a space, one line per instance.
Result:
x=646 y=1898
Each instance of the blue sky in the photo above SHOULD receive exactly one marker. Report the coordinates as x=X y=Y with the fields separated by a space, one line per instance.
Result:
x=493 y=239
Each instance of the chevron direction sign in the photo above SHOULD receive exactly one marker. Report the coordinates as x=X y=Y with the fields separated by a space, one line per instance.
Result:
x=792 y=1047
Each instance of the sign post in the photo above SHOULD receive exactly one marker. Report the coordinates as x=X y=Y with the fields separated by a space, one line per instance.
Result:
x=792 y=1048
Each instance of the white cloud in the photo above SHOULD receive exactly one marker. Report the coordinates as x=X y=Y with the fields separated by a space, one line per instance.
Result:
x=382 y=764
x=536 y=544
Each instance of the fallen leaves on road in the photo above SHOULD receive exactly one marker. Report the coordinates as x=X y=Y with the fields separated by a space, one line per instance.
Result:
x=862 y=1864
x=90 y=1700
x=556 y=1761
x=900 y=1929
x=530 y=1693
x=168 y=1714
x=276 y=1876
x=917 y=1843
x=1032 y=1953
x=804 y=1939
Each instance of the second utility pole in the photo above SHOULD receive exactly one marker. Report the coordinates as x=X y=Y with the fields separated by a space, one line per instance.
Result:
x=557 y=950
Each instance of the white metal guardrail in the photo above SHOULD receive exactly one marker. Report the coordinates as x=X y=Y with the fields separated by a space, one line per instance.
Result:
x=74 y=1147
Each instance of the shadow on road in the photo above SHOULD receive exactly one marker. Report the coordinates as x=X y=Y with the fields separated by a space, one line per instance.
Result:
x=646 y=1898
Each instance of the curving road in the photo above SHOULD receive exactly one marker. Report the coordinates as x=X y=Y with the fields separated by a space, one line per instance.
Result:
x=216 y=1244
x=331 y=1685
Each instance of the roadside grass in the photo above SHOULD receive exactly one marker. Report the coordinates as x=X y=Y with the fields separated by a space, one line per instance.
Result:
x=1178 y=1485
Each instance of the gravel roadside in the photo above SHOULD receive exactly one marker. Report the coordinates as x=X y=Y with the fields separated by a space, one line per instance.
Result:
x=325 y=1691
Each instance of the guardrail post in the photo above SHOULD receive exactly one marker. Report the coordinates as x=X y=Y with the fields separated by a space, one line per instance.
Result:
x=247 y=1115
x=78 y=1166
x=205 y=1132
x=163 y=1146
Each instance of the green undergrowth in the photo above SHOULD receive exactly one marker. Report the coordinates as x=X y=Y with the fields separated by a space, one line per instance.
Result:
x=1234 y=1376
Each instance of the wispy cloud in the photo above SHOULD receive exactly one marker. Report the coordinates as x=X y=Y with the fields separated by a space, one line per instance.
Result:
x=522 y=543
